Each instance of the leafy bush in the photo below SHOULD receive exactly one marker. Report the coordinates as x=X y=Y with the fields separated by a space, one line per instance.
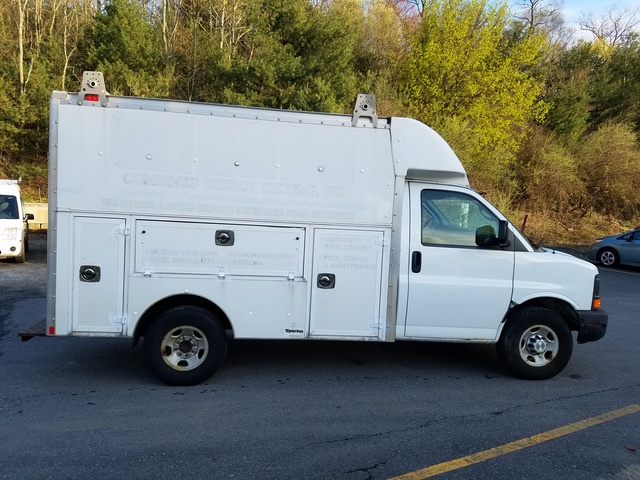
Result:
x=548 y=177
x=609 y=167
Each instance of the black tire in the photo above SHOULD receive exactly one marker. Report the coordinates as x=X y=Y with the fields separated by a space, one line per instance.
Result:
x=536 y=343
x=608 y=257
x=185 y=345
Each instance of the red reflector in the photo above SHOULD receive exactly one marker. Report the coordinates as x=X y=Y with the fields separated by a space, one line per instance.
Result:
x=52 y=330
x=92 y=97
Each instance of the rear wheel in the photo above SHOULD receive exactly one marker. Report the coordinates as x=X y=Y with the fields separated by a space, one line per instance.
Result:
x=536 y=343
x=185 y=345
x=608 y=257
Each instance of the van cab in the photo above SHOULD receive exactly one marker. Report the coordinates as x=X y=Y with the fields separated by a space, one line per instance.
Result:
x=14 y=222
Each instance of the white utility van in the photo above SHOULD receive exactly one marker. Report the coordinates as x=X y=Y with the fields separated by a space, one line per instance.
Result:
x=14 y=225
x=185 y=222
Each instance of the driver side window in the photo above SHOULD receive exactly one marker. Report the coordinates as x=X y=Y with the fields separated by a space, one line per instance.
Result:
x=452 y=218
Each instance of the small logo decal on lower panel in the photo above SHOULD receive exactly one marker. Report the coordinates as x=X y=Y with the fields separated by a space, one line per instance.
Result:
x=294 y=332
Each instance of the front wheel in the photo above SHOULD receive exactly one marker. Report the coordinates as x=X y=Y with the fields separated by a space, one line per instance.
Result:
x=608 y=257
x=185 y=345
x=536 y=343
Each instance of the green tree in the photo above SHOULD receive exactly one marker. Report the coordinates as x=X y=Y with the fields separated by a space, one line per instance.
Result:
x=9 y=117
x=616 y=85
x=587 y=89
x=27 y=29
x=382 y=36
x=569 y=91
x=124 y=46
x=466 y=75
x=301 y=57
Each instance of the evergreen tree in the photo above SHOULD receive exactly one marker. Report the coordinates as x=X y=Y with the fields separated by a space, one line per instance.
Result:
x=123 y=45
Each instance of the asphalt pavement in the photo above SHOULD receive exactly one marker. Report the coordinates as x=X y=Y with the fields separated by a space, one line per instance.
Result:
x=88 y=407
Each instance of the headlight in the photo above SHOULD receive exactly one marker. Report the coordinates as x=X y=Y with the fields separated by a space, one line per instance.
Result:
x=10 y=233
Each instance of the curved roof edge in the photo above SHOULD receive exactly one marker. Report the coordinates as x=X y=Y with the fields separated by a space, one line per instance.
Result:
x=420 y=153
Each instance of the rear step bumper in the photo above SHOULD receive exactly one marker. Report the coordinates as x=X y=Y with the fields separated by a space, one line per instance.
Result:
x=37 y=330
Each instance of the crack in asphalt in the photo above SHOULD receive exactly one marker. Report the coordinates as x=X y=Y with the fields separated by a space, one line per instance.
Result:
x=367 y=470
x=475 y=415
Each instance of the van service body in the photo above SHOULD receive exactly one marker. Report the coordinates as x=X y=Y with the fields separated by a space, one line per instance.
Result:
x=179 y=222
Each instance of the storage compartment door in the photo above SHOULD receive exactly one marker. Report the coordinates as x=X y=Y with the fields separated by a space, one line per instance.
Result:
x=347 y=284
x=98 y=283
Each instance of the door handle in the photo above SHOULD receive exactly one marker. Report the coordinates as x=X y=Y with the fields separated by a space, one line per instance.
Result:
x=416 y=262
x=225 y=238
x=326 y=281
x=89 y=273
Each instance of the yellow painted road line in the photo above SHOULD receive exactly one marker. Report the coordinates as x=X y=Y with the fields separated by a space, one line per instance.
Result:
x=469 y=460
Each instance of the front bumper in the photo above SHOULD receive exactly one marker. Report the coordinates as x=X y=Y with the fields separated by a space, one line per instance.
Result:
x=7 y=245
x=592 y=325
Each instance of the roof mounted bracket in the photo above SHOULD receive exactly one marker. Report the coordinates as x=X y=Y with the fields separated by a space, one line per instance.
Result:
x=365 y=107
x=93 y=89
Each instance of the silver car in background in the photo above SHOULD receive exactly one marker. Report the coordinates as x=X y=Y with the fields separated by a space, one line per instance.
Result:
x=621 y=249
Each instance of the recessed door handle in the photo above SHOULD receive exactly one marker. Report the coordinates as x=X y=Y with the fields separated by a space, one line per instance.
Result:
x=90 y=273
x=326 y=280
x=225 y=238
x=416 y=262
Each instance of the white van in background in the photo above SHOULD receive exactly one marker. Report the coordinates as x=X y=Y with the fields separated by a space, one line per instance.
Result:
x=14 y=230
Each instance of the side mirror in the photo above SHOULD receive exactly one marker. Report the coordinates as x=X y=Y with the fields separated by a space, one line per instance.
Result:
x=486 y=235
x=503 y=233
x=29 y=216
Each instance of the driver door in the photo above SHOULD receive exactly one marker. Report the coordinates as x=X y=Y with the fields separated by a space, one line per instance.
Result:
x=631 y=249
x=456 y=289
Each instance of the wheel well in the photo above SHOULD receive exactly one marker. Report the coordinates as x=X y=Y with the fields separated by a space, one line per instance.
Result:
x=177 y=300
x=609 y=248
x=562 y=308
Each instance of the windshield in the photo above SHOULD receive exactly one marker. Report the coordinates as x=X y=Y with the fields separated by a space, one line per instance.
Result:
x=8 y=207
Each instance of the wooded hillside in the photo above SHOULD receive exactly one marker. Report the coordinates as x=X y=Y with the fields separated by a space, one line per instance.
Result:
x=546 y=126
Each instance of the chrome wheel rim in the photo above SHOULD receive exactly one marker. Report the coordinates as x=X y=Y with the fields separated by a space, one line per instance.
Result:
x=184 y=348
x=539 y=346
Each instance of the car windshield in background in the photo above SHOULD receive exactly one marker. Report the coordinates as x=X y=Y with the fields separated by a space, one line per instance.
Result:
x=8 y=207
